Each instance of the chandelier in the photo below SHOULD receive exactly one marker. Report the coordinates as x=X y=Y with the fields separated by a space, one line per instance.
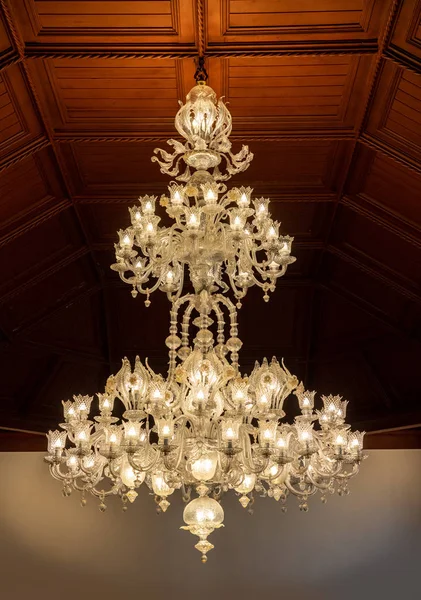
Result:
x=204 y=428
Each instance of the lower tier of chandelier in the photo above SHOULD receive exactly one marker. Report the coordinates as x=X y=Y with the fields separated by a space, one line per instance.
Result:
x=205 y=428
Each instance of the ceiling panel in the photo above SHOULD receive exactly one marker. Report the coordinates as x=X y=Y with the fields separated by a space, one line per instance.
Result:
x=19 y=123
x=131 y=96
x=407 y=32
x=251 y=21
x=290 y=94
x=105 y=22
x=395 y=115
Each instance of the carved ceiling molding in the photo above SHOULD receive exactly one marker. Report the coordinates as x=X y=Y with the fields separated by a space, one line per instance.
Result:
x=403 y=228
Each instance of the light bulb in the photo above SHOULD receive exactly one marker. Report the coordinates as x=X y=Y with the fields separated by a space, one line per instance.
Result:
x=200 y=395
x=137 y=215
x=166 y=430
x=82 y=436
x=157 y=394
x=203 y=469
x=340 y=440
x=281 y=443
x=149 y=228
x=332 y=407
x=177 y=199
x=127 y=475
x=58 y=443
x=306 y=402
x=205 y=512
x=210 y=196
x=88 y=462
x=113 y=438
x=247 y=484
x=305 y=436
x=159 y=486
x=193 y=220
x=148 y=207
x=126 y=240
x=82 y=406
x=170 y=277
x=271 y=233
x=229 y=433
x=106 y=403
x=355 y=443
x=243 y=201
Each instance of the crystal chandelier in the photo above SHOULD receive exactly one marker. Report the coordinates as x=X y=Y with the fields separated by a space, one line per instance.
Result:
x=204 y=428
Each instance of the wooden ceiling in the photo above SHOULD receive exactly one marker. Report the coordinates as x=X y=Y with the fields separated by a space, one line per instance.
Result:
x=327 y=93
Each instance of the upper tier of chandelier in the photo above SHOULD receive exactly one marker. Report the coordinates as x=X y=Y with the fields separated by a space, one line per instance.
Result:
x=223 y=237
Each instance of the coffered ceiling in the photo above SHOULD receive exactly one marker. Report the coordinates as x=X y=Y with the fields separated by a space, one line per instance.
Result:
x=327 y=94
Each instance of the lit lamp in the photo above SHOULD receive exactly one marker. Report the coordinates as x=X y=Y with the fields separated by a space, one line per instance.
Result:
x=177 y=195
x=113 y=437
x=244 y=197
x=130 y=478
x=136 y=215
x=82 y=435
x=271 y=233
x=267 y=433
x=82 y=406
x=261 y=207
x=106 y=404
x=285 y=245
x=239 y=393
x=210 y=193
x=237 y=221
x=202 y=516
x=165 y=431
x=69 y=411
x=148 y=204
x=305 y=400
x=56 y=443
x=192 y=219
x=355 y=444
x=246 y=486
x=125 y=239
x=161 y=489
x=157 y=392
x=305 y=436
x=340 y=443
x=230 y=432
x=282 y=446
x=131 y=436
x=149 y=230
x=169 y=279
x=204 y=468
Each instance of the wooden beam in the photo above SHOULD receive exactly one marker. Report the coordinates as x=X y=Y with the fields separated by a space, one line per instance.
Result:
x=406 y=439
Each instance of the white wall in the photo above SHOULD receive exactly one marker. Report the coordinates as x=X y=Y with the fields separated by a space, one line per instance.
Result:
x=364 y=546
